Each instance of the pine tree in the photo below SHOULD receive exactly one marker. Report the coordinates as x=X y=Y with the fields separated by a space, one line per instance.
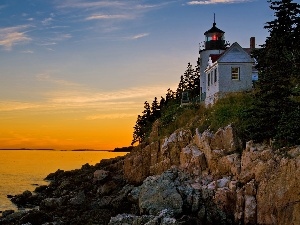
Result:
x=196 y=83
x=138 y=134
x=180 y=89
x=170 y=96
x=162 y=103
x=155 y=110
x=276 y=66
x=189 y=82
x=188 y=78
x=143 y=125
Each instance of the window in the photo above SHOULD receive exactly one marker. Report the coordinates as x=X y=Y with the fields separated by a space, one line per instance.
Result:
x=216 y=75
x=208 y=79
x=235 y=73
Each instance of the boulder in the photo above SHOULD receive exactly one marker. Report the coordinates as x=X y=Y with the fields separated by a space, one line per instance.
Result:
x=22 y=199
x=12 y=218
x=5 y=213
x=51 y=203
x=122 y=219
x=158 y=193
x=107 y=187
x=100 y=175
x=35 y=217
x=78 y=199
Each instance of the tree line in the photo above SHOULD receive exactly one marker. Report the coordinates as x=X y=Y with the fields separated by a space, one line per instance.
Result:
x=189 y=82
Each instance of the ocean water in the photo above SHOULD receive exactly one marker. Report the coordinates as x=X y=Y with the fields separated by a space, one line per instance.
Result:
x=25 y=169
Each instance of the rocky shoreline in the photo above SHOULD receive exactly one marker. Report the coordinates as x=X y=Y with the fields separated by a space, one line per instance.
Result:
x=205 y=178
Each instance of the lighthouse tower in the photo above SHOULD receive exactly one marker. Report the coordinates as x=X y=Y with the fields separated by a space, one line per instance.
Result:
x=214 y=46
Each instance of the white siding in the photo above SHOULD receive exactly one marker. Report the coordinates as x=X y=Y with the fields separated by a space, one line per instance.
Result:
x=229 y=85
x=204 y=57
x=235 y=56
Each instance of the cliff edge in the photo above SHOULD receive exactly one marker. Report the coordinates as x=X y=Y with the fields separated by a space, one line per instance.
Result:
x=255 y=185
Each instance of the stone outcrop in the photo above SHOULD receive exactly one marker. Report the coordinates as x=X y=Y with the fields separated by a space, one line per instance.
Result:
x=159 y=193
x=257 y=185
x=156 y=157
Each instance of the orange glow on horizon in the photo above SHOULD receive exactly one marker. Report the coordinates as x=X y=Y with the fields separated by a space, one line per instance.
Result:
x=65 y=132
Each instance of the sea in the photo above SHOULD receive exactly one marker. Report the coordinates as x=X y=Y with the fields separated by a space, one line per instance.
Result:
x=22 y=170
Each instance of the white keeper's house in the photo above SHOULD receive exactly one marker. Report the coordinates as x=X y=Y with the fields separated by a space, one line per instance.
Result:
x=224 y=69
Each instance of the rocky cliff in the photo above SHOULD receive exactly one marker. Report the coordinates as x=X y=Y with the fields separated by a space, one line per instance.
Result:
x=255 y=185
x=205 y=178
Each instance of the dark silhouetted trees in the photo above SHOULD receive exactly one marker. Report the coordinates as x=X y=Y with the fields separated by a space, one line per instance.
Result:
x=275 y=111
x=189 y=82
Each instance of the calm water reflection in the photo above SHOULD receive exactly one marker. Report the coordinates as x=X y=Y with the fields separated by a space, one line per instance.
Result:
x=23 y=170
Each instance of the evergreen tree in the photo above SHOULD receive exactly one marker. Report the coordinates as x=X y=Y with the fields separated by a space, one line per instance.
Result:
x=170 y=96
x=276 y=66
x=196 y=83
x=162 y=103
x=180 y=89
x=147 y=111
x=155 y=110
x=143 y=125
x=189 y=82
x=138 y=134
x=188 y=78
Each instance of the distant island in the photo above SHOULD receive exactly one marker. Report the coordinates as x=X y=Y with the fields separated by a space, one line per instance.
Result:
x=18 y=149
x=124 y=149
x=87 y=150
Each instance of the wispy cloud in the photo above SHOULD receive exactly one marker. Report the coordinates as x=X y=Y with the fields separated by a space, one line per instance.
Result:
x=28 y=52
x=47 y=21
x=17 y=105
x=110 y=116
x=209 y=2
x=45 y=77
x=138 y=36
x=2 y=6
x=87 y=97
x=84 y=5
x=109 y=17
x=11 y=36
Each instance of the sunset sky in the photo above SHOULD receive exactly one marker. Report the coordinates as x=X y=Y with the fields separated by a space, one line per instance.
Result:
x=75 y=73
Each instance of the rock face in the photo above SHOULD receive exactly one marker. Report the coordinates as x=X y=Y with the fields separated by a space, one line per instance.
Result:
x=257 y=185
x=155 y=158
x=205 y=178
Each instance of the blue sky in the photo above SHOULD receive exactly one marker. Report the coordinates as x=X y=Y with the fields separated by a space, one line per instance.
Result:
x=94 y=63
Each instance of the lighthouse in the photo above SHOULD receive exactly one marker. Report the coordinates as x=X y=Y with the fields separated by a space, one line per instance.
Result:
x=214 y=46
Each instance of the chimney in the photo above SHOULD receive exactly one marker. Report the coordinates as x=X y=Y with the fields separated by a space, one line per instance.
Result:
x=252 y=43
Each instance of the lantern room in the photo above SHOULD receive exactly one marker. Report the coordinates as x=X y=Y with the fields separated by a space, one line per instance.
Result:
x=214 y=38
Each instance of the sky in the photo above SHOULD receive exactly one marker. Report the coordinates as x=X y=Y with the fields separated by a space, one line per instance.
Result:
x=74 y=74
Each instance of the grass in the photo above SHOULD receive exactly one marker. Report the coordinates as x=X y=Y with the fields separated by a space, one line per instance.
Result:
x=227 y=110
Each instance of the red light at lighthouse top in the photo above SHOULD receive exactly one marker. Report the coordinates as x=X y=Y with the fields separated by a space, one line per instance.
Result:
x=214 y=38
